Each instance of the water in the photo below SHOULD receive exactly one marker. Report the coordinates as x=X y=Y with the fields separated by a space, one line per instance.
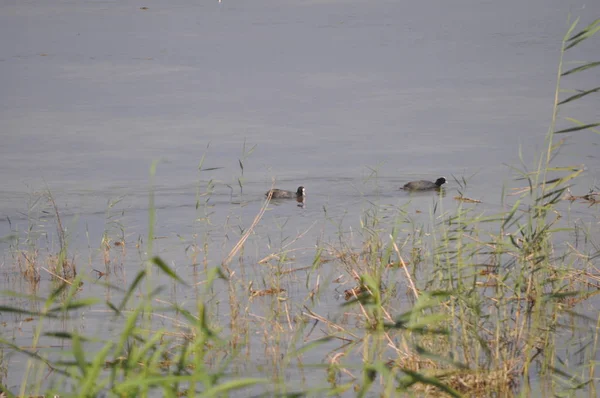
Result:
x=351 y=99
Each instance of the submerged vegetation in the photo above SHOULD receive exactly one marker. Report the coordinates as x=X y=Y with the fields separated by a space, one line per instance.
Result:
x=470 y=305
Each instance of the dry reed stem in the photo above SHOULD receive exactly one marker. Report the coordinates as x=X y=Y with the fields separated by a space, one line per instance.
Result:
x=242 y=240
x=467 y=200
x=277 y=255
x=287 y=315
x=106 y=250
x=335 y=361
x=283 y=251
x=175 y=322
x=56 y=276
x=293 y=270
x=326 y=321
x=266 y=292
x=315 y=290
x=408 y=277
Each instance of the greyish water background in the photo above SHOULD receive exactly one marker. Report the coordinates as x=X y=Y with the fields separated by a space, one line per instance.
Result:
x=327 y=91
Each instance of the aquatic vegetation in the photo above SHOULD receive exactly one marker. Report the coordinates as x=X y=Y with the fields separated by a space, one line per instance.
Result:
x=469 y=304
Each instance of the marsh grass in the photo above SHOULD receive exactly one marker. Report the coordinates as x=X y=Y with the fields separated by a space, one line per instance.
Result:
x=29 y=256
x=469 y=304
x=27 y=264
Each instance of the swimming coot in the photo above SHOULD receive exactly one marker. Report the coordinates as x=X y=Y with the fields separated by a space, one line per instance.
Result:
x=283 y=194
x=423 y=185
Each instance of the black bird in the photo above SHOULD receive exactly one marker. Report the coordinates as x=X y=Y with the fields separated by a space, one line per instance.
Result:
x=423 y=185
x=283 y=194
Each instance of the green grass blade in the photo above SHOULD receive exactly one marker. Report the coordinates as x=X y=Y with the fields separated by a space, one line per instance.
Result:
x=582 y=68
x=75 y=305
x=4 y=308
x=233 y=385
x=168 y=380
x=585 y=33
x=511 y=214
x=577 y=128
x=33 y=355
x=134 y=284
x=78 y=354
x=313 y=344
x=127 y=330
x=92 y=383
x=415 y=377
x=166 y=269
x=580 y=95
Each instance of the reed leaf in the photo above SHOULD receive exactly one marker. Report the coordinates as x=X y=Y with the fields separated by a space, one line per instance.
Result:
x=76 y=304
x=581 y=68
x=584 y=34
x=577 y=128
x=64 y=335
x=415 y=377
x=93 y=384
x=166 y=269
x=136 y=281
x=4 y=308
x=32 y=355
x=510 y=215
x=313 y=344
x=579 y=95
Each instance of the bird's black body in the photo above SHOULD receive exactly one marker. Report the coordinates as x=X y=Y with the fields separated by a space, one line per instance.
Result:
x=283 y=194
x=423 y=185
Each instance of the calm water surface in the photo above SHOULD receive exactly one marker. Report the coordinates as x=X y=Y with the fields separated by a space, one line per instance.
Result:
x=351 y=99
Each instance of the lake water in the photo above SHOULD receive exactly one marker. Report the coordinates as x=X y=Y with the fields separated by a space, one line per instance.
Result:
x=350 y=99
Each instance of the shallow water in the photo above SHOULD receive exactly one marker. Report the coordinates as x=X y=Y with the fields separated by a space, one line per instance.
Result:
x=350 y=99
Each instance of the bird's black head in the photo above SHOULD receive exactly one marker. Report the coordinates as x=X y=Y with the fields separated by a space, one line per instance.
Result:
x=301 y=191
x=440 y=181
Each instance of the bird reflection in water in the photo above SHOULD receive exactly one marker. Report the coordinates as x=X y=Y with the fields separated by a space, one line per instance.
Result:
x=301 y=201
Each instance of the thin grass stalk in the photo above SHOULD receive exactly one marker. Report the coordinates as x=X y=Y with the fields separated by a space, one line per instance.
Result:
x=592 y=360
x=32 y=362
